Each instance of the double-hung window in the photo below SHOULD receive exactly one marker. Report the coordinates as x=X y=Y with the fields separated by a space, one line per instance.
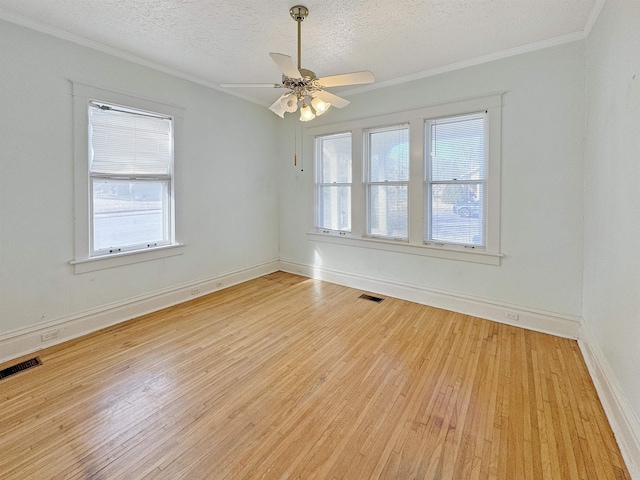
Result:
x=455 y=167
x=333 y=179
x=130 y=167
x=124 y=178
x=387 y=182
x=425 y=181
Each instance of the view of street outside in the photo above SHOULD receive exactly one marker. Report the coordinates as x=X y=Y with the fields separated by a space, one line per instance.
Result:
x=459 y=223
x=451 y=227
x=120 y=220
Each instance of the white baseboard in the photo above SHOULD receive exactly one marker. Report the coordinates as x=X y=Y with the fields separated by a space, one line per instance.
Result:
x=566 y=326
x=28 y=340
x=623 y=421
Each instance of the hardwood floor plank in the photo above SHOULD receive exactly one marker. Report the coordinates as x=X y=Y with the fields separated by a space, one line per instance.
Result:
x=287 y=377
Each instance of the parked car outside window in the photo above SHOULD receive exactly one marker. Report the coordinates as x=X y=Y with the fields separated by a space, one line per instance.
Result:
x=472 y=208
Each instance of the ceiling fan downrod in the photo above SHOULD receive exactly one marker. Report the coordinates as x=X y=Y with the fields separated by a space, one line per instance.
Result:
x=299 y=13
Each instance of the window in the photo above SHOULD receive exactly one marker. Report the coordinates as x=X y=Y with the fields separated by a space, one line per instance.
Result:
x=387 y=182
x=333 y=180
x=426 y=181
x=124 y=163
x=130 y=167
x=455 y=166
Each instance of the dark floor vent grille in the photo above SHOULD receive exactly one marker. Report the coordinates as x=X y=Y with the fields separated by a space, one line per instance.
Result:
x=372 y=298
x=20 y=367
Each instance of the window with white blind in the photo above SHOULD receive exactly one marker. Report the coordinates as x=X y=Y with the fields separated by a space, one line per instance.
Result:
x=333 y=182
x=387 y=182
x=455 y=167
x=124 y=185
x=130 y=167
x=425 y=181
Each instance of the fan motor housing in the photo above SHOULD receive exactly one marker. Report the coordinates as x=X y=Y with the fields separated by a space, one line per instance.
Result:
x=307 y=73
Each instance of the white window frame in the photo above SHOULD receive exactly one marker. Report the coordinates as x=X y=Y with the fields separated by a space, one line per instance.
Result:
x=319 y=184
x=368 y=183
x=85 y=259
x=429 y=182
x=489 y=254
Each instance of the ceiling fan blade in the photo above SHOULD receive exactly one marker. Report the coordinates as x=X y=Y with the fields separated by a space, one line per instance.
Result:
x=260 y=85
x=334 y=100
x=354 y=78
x=286 y=65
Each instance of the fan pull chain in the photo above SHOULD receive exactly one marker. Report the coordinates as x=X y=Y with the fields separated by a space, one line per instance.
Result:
x=301 y=149
x=295 y=148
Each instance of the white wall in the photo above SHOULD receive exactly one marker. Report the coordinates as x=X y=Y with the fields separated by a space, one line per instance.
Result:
x=612 y=189
x=226 y=181
x=542 y=172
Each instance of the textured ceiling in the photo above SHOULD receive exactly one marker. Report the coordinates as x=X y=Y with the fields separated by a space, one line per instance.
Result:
x=222 y=41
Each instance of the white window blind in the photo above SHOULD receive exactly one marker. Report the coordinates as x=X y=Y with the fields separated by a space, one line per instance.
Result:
x=387 y=182
x=128 y=142
x=456 y=165
x=333 y=182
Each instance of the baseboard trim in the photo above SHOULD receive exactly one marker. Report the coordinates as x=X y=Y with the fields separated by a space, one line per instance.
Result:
x=28 y=340
x=623 y=421
x=541 y=321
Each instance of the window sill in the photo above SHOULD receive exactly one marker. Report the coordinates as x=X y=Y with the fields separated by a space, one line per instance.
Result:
x=127 y=258
x=450 y=253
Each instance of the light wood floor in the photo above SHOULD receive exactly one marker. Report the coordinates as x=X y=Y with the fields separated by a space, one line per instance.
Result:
x=286 y=377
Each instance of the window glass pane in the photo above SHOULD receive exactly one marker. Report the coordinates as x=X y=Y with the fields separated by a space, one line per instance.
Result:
x=334 y=207
x=128 y=213
x=335 y=158
x=457 y=213
x=389 y=155
x=457 y=148
x=388 y=214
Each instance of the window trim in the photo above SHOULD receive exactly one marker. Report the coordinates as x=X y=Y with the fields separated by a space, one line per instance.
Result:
x=490 y=253
x=83 y=94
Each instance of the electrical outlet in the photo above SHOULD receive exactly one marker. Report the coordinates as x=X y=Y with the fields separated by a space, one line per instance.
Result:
x=511 y=316
x=49 y=335
x=195 y=291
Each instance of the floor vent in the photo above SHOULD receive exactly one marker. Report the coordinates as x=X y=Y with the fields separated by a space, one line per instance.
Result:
x=20 y=367
x=369 y=297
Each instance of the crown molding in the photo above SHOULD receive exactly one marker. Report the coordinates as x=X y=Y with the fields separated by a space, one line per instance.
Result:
x=101 y=47
x=593 y=16
x=551 y=42
x=531 y=47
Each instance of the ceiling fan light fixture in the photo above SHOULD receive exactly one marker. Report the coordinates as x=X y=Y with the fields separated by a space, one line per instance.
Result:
x=278 y=108
x=306 y=113
x=290 y=103
x=320 y=105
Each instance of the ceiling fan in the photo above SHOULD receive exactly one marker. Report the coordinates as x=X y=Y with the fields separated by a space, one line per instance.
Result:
x=303 y=85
